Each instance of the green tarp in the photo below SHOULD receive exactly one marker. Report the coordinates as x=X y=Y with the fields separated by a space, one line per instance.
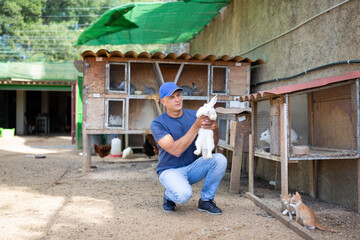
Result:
x=151 y=23
x=39 y=71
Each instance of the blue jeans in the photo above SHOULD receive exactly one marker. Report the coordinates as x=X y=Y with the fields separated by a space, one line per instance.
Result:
x=178 y=181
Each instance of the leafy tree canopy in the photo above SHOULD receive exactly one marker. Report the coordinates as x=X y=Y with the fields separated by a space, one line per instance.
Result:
x=45 y=30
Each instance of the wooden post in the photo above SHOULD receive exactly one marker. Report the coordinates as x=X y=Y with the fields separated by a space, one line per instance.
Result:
x=86 y=163
x=283 y=148
x=251 y=164
x=355 y=109
x=236 y=159
x=358 y=182
x=310 y=118
x=355 y=112
x=275 y=125
x=254 y=119
x=158 y=74
x=278 y=176
x=313 y=178
x=312 y=163
x=251 y=145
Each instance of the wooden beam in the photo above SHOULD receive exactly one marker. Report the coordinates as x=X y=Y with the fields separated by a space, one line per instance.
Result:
x=299 y=229
x=310 y=118
x=86 y=166
x=251 y=145
x=278 y=176
x=283 y=148
x=179 y=73
x=86 y=163
x=355 y=109
x=358 y=182
x=237 y=158
x=158 y=75
x=254 y=107
x=275 y=125
x=313 y=178
x=251 y=164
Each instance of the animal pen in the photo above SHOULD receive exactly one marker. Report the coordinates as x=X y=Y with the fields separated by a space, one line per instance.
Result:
x=324 y=113
x=120 y=91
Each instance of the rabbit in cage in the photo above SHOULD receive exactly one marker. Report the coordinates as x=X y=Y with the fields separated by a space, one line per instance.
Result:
x=265 y=136
x=148 y=90
x=205 y=140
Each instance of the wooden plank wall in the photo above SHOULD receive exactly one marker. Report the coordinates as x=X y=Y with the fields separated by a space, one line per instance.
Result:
x=95 y=114
x=195 y=74
x=141 y=75
x=169 y=71
x=237 y=86
x=141 y=113
x=333 y=118
x=95 y=76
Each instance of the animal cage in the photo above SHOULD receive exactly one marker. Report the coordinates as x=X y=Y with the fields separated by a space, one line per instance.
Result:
x=317 y=120
x=121 y=90
x=115 y=112
x=320 y=120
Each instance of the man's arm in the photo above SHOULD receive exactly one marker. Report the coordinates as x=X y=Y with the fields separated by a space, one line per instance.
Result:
x=179 y=146
x=216 y=134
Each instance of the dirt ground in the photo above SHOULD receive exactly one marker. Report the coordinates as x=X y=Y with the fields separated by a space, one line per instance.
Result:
x=48 y=198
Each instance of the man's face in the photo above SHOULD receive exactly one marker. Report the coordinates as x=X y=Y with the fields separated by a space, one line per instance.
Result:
x=173 y=102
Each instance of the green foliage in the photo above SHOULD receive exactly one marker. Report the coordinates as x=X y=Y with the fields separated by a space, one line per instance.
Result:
x=45 y=30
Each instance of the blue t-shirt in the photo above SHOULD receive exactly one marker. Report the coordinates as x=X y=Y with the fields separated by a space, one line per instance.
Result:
x=176 y=127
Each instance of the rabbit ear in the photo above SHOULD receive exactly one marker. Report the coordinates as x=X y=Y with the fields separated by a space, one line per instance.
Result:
x=213 y=101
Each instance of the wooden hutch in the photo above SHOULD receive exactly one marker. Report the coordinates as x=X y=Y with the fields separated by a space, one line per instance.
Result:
x=333 y=126
x=120 y=91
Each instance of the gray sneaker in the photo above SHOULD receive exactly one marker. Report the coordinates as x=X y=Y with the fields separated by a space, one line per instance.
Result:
x=209 y=207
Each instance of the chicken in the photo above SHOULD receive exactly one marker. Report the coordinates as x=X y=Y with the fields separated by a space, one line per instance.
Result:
x=103 y=150
x=148 y=148
x=127 y=153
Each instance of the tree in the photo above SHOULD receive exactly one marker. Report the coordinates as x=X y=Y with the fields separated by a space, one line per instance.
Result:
x=16 y=15
x=45 y=30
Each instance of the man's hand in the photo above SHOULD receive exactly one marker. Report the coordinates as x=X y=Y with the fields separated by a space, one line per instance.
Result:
x=177 y=147
x=206 y=123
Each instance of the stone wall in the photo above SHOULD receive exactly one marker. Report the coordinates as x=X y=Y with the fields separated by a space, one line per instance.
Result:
x=274 y=31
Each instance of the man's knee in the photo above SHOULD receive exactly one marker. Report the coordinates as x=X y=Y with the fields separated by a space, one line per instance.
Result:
x=182 y=197
x=220 y=160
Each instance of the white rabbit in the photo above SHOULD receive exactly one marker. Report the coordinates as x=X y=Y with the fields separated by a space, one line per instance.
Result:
x=115 y=120
x=265 y=136
x=205 y=140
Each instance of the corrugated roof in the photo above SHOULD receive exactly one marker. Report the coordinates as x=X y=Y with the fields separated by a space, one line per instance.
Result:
x=287 y=89
x=38 y=71
x=170 y=56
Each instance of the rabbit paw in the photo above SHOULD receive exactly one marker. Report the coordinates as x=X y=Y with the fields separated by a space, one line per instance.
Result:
x=197 y=152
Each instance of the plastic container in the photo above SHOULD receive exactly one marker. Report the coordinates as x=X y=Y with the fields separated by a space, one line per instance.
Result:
x=7 y=133
x=115 y=147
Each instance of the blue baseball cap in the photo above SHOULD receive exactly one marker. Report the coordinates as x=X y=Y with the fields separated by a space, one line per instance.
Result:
x=167 y=89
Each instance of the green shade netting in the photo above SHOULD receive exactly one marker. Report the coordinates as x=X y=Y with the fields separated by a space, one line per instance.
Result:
x=39 y=71
x=151 y=23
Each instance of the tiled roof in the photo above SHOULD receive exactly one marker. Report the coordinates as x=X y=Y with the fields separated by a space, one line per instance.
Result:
x=170 y=56
x=287 y=89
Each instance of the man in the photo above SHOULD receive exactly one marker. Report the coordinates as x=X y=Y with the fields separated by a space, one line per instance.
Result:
x=175 y=132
